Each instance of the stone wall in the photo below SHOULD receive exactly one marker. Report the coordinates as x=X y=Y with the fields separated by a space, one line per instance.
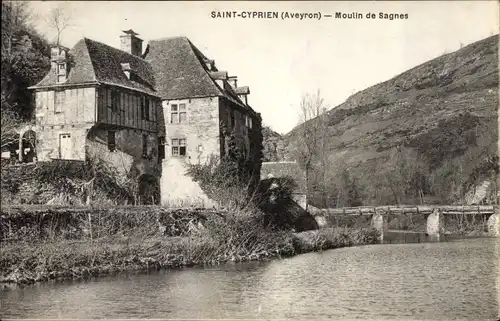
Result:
x=178 y=189
x=200 y=130
x=128 y=155
x=48 y=141
x=73 y=114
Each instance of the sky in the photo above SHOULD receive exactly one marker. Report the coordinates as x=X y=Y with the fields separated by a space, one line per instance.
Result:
x=281 y=60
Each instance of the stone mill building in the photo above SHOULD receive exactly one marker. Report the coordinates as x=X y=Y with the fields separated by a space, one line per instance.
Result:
x=145 y=111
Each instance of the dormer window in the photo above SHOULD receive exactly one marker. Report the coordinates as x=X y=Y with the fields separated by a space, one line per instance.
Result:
x=61 y=72
x=59 y=59
x=127 y=70
x=61 y=68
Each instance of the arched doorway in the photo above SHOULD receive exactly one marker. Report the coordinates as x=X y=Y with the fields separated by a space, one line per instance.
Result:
x=28 y=149
x=149 y=190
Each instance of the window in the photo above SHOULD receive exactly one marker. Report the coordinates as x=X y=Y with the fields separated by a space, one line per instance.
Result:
x=178 y=113
x=174 y=114
x=232 y=125
x=248 y=122
x=61 y=72
x=145 y=108
x=178 y=147
x=182 y=113
x=61 y=69
x=115 y=100
x=144 y=146
x=111 y=141
x=59 y=100
x=161 y=148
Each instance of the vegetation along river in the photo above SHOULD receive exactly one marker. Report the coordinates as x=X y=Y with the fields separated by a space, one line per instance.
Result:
x=439 y=281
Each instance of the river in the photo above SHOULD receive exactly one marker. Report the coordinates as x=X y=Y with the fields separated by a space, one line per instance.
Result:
x=439 y=281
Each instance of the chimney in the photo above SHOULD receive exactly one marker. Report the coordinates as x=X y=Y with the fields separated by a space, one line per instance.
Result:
x=219 y=77
x=243 y=93
x=59 y=62
x=131 y=43
x=210 y=64
x=233 y=81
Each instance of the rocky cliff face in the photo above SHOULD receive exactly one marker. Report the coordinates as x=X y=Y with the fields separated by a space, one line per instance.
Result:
x=443 y=113
x=274 y=145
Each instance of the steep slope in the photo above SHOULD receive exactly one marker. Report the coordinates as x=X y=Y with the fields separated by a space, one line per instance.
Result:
x=442 y=113
x=274 y=148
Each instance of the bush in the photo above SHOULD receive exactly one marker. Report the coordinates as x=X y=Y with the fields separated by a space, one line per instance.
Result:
x=331 y=238
x=71 y=180
x=270 y=201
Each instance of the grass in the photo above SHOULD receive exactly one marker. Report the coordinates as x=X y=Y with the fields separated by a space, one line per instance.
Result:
x=29 y=262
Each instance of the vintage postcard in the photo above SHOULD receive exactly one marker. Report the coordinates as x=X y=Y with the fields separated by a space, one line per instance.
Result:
x=250 y=160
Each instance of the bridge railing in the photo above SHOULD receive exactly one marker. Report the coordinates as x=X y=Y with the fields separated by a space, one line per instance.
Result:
x=408 y=209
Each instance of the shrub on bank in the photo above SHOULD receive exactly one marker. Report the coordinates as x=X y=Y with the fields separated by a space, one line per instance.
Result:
x=330 y=238
x=270 y=201
x=70 y=181
x=26 y=263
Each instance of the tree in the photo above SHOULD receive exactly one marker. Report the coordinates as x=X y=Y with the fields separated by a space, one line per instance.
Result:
x=58 y=20
x=25 y=59
x=15 y=16
x=8 y=126
x=404 y=176
x=311 y=140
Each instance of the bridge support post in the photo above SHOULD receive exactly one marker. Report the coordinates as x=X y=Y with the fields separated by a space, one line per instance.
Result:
x=434 y=225
x=494 y=223
x=320 y=219
x=379 y=223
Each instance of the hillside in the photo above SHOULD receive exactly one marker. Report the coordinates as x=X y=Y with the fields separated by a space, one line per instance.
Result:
x=274 y=148
x=439 y=119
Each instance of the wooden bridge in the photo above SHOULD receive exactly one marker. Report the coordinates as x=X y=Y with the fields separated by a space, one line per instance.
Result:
x=434 y=215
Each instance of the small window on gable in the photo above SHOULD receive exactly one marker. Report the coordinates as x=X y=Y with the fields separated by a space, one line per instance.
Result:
x=179 y=147
x=59 y=100
x=61 y=69
x=111 y=141
x=174 y=114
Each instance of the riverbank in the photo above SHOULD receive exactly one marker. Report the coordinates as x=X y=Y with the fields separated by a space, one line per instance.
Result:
x=26 y=263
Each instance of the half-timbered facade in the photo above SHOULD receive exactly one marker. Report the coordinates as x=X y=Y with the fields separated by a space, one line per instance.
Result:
x=99 y=101
x=168 y=105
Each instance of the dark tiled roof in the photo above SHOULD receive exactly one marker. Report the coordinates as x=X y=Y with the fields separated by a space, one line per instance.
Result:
x=181 y=72
x=172 y=69
x=282 y=169
x=179 y=69
x=81 y=71
x=94 y=61
x=108 y=69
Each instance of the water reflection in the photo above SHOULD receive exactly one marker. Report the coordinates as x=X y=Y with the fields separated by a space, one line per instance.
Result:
x=449 y=280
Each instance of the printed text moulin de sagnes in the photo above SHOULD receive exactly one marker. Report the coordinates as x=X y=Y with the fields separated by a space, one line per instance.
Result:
x=305 y=15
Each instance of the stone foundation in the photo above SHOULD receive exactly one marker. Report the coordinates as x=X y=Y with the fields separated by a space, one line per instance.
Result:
x=380 y=224
x=494 y=224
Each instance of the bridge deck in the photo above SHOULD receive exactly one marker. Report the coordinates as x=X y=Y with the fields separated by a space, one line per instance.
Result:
x=409 y=209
